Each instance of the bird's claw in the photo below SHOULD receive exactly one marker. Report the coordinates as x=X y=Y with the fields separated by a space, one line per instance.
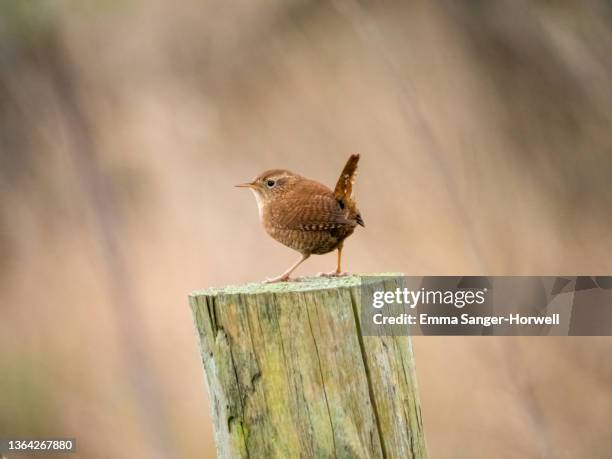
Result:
x=276 y=279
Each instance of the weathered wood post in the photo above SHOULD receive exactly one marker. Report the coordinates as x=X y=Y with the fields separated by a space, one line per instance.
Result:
x=290 y=374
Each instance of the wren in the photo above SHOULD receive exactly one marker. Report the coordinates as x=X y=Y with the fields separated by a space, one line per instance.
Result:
x=305 y=215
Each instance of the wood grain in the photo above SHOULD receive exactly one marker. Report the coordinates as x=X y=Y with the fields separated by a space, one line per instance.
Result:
x=290 y=375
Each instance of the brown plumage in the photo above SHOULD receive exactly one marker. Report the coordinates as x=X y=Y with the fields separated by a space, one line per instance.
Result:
x=306 y=215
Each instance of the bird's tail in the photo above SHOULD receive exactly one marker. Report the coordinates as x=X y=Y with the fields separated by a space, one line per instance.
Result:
x=344 y=189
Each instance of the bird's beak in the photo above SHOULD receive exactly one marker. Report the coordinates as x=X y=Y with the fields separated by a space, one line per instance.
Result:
x=244 y=185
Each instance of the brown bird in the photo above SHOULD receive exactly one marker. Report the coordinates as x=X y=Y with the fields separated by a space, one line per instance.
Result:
x=306 y=215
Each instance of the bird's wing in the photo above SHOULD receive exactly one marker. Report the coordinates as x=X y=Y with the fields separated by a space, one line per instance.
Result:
x=311 y=207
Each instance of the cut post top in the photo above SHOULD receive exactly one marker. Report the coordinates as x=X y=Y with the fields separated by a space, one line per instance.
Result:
x=301 y=285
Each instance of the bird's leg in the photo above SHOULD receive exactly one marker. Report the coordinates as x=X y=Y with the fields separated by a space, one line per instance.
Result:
x=285 y=276
x=338 y=272
x=339 y=267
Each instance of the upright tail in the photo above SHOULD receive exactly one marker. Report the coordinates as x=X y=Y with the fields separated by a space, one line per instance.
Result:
x=344 y=189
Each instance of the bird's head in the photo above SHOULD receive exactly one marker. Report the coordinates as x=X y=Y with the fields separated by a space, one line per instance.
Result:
x=270 y=185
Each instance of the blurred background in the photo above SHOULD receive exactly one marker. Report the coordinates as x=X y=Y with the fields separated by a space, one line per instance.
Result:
x=486 y=143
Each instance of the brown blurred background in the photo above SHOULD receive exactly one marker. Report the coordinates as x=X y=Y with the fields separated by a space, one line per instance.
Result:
x=485 y=134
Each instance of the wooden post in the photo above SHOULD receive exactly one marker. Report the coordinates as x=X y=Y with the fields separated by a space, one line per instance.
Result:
x=291 y=376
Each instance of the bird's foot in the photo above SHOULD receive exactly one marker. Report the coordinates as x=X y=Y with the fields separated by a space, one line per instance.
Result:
x=274 y=280
x=334 y=273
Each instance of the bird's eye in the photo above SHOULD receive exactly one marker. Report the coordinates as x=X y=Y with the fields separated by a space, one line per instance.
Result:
x=270 y=183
